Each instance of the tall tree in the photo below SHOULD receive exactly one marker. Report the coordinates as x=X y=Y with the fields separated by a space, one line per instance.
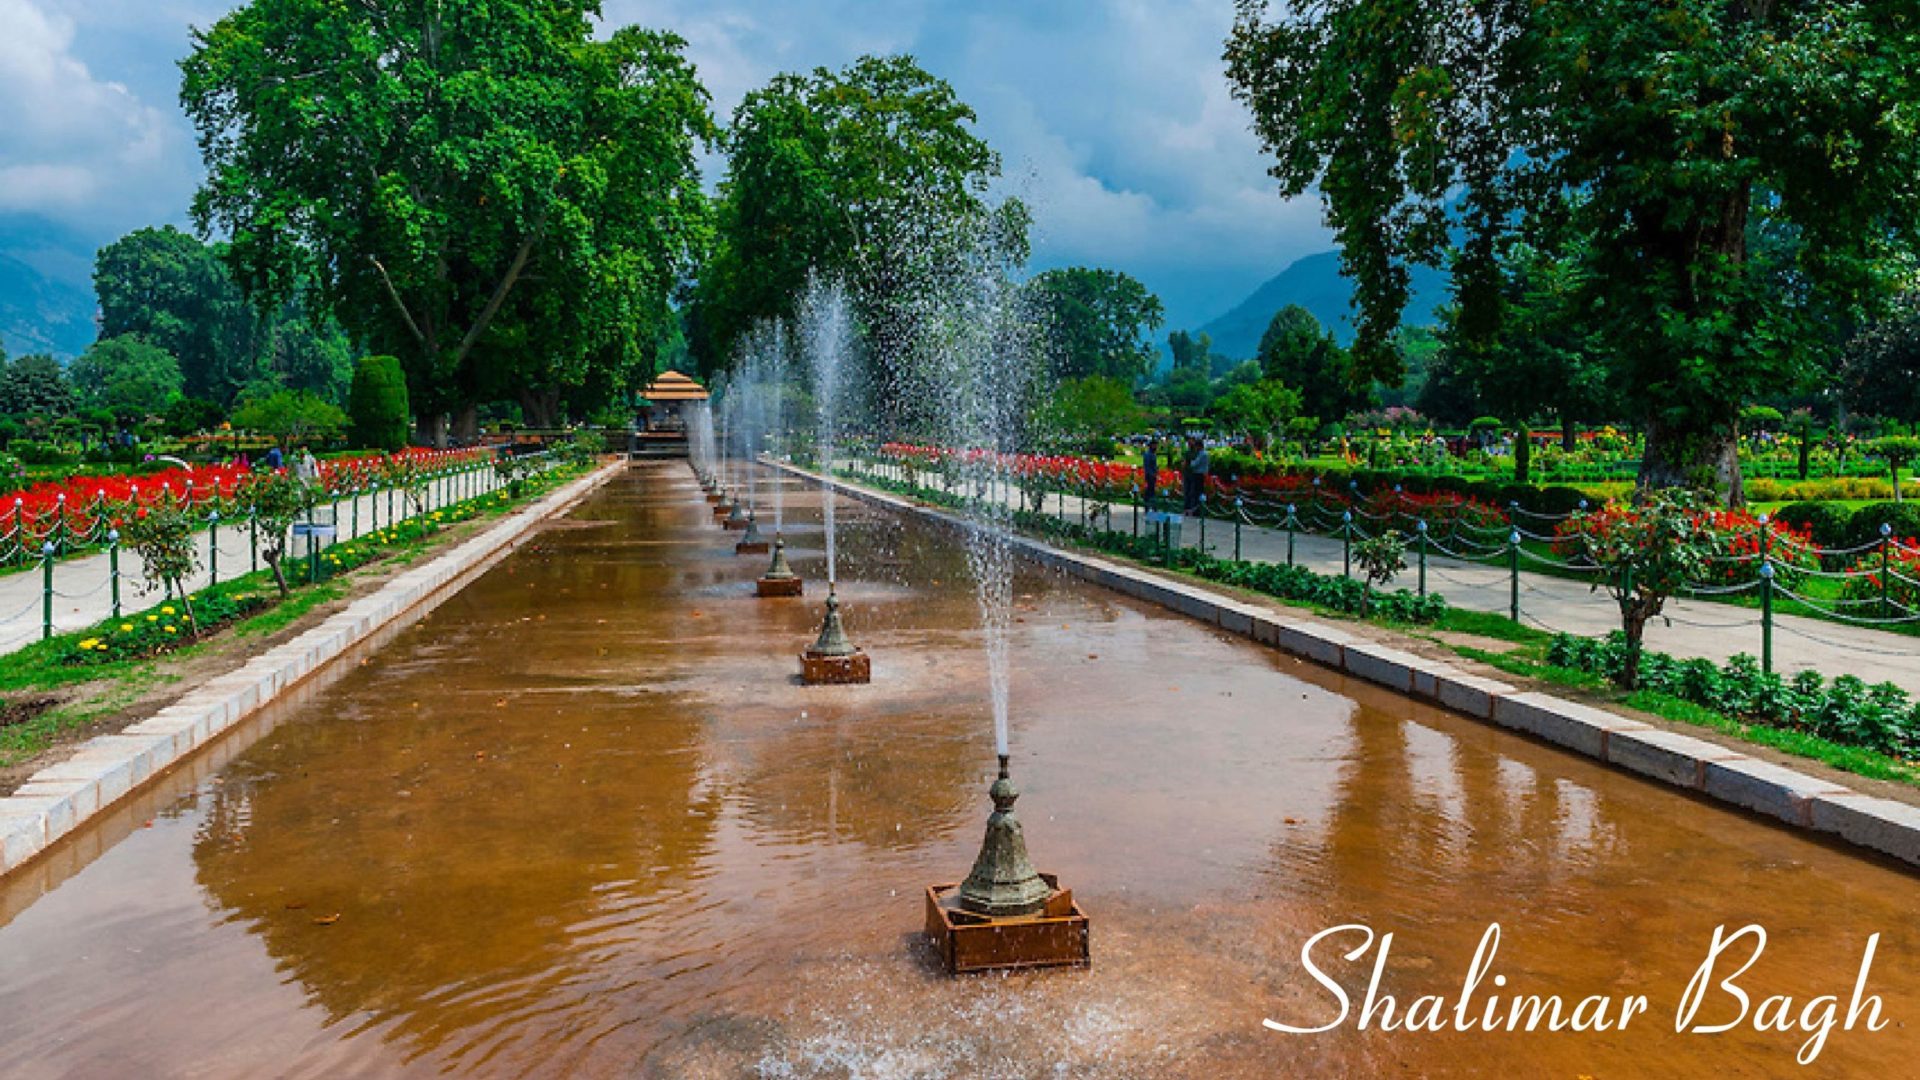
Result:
x=1880 y=370
x=35 y=385
x=459 y=180
x=868 y=175
x=127 y=375
x=173 y=292
x=1100 y=322
x=1297 y=351
x=1191 y=352
x=1667 y=136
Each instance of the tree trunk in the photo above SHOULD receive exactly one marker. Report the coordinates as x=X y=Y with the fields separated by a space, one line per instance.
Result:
x=539 y=408
x=1522 y=454
x=1569 y=433
x=1635 y=625
x=279 y=576
x=466 y=423
x=1704 y=456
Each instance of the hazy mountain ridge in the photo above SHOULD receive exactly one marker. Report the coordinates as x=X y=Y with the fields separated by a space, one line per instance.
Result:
x=1315 y=283
x=46 y=289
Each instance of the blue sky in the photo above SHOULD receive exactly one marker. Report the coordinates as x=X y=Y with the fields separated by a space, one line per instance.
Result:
x=1112 y=117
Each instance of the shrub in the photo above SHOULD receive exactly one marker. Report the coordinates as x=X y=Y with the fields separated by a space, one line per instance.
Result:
x=32 y=452
x=278 y=499
x=191 y=415
x=377 y=403
x=163 y=534
x=1645 y=554
x=1864 y=527
x=1824 y=522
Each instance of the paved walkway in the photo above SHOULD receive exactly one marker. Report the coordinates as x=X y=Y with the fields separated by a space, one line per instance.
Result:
x=82 y=587
x=1693 y=628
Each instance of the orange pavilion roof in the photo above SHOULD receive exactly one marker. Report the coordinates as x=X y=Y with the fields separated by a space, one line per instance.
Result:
x=673 y=386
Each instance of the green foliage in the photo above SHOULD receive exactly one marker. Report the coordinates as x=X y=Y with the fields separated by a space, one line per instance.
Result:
x=1711 y=238
x=585 y=445
x=1092 y=408
x=1297 y=351
x=165 y=534
x=191 y=415
x=867 y=175
x=291 y=417
x=35 y=385
x=1880 y=368
x=1846 y=710
x=1644 y=554
x=493 y=193
x=172 y=292
x=1257 y=410
x=1190 y=352
x=1827 y=523
x=277 y=499
x=1898 y=451
x=162 y=629
x=1381 y=557
x=1863 y=525
x=377 y=404
x=127 y=376
x=1098 y=322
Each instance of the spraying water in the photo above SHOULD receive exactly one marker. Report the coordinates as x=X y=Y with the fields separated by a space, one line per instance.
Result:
x=827 y=336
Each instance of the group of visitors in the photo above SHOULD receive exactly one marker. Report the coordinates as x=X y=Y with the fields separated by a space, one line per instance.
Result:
x=1194 y=467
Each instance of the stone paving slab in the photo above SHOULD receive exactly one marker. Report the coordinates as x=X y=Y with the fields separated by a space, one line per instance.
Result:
x=1719 y=773
x=59 y=798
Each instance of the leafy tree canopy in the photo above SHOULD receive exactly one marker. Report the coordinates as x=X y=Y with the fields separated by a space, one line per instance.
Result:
x=870 y=175
x=128 y=376
x=484 y=190
x=291 y=417
x=1880 y=370
x=1297 y=351
x=35 y=385
x=1673 y=142
x=172 y=291
x=1100 y=321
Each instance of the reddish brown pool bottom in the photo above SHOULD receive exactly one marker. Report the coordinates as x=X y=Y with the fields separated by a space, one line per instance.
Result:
x=583 y=821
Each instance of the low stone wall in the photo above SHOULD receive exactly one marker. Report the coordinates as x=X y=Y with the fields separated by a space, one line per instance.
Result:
x=1696 y=765
x=59 y=798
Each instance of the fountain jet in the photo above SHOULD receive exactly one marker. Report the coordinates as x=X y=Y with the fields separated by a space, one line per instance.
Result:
x=751 y=542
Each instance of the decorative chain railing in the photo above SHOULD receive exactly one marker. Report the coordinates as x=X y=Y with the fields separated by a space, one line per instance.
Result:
x=57 y=540
x=1874 y=585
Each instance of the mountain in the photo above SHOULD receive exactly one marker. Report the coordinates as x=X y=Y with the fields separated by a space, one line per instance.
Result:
x=1315 y=283
x=46 y=289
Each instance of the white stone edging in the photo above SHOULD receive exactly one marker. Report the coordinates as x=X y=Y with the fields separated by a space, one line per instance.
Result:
x=1707 y=769
x=59 y=798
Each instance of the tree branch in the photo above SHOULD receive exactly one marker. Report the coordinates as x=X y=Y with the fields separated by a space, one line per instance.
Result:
x=499 y=296
x=397 y=302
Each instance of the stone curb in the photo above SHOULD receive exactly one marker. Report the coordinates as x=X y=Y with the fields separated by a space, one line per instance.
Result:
x=1708 y=769
x=61 y=797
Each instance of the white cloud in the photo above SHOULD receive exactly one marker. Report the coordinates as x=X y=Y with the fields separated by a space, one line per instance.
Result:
x=72 y=139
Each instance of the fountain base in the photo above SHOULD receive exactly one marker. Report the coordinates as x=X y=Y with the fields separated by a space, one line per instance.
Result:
x=721 y=510
x=739 y=525
x=714 y=497
x=752 y=547
x=787 y=586
x=817 y=669
x=1058 y=935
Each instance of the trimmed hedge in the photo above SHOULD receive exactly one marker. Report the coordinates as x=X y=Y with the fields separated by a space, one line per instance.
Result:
x=378 y=404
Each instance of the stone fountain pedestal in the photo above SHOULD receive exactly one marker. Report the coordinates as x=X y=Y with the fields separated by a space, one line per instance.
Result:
x=779 y=580
x=1006 y=914
x=832 y=660
x=1059 y=935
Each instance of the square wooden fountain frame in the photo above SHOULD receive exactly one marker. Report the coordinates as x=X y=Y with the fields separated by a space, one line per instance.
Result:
x=1059 y=936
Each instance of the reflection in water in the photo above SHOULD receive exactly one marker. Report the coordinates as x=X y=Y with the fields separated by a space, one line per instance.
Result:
x=583 y=821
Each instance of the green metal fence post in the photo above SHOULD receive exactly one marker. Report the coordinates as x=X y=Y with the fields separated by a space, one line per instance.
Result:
x=60 y=522
x=1134 y=502
x=113 y=568
x=1513 y=574
x=46 y=591
x=1886 y=569
x=1346 y=543
x=1203 y=522
x=1766 y=617
x=1290 y=528
x=213 y=548
x=1420 y=529
x=1239 y=513
x=253 y=539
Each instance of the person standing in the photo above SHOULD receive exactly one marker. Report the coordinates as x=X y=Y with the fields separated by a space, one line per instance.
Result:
x=1150 y=470
x=1196 y=473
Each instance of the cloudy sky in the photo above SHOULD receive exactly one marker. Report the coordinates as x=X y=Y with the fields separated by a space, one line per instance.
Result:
x=1112 y=117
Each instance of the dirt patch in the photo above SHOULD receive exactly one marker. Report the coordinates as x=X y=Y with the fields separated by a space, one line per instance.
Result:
x=22 y=708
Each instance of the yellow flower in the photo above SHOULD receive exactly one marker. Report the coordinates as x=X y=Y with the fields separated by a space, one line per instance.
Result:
x=166 y=611
x=153 y=618
x=89 y=643
x=126 y=628
x=169 y=628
